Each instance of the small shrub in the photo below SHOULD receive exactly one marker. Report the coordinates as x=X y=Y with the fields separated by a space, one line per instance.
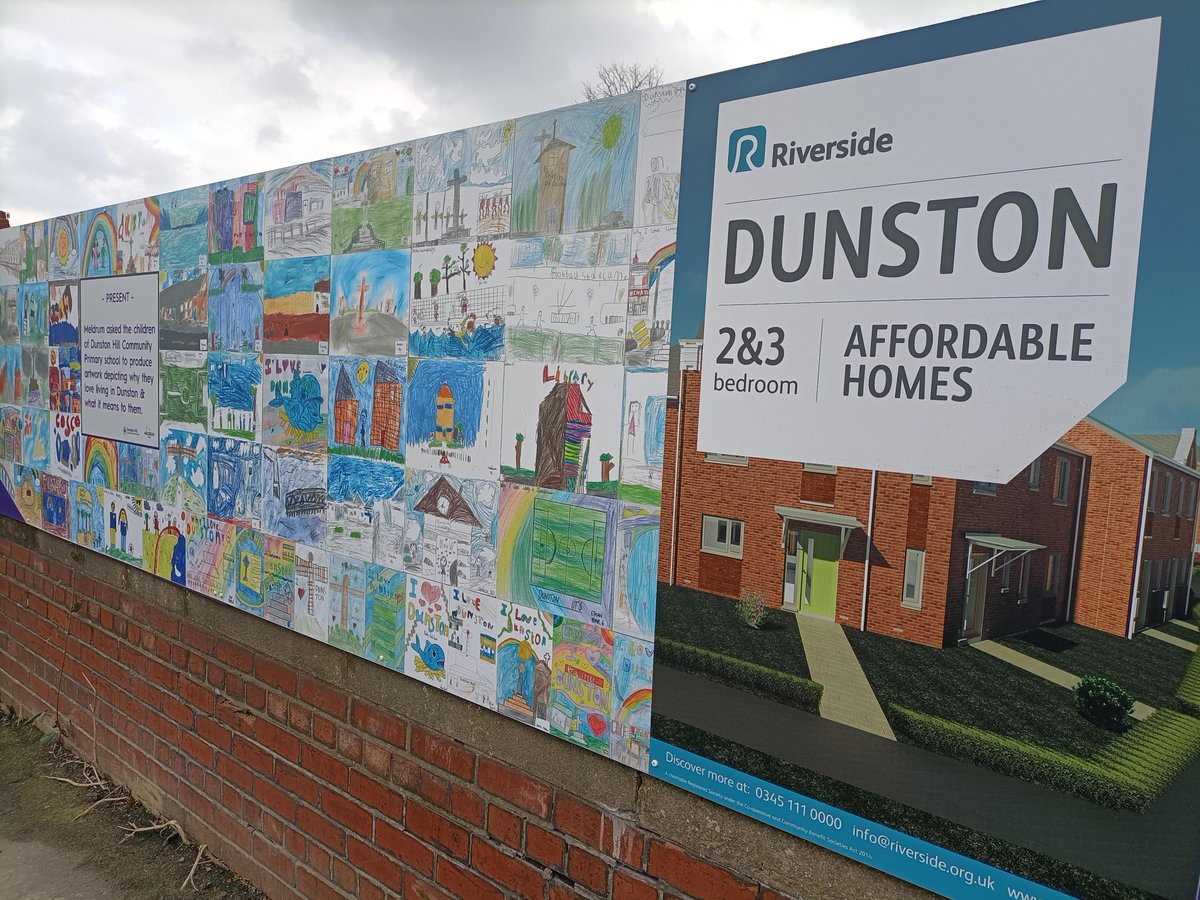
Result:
x=1103 y=702
x=752 y=608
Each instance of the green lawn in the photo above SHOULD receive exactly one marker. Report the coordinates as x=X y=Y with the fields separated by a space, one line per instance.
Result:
x=1148 y=668
x=704 y=620
x=965 y=685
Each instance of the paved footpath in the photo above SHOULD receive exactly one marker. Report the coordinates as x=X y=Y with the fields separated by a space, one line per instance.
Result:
x=1171 y=639
x=847 y=695
x=1060 y=677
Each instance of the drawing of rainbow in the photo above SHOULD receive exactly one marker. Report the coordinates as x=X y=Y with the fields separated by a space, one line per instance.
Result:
x=634 y=703
x=662 y=257
x=100 y=462
x=100 y=245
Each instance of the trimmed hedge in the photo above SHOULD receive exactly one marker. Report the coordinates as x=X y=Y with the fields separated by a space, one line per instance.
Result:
x=1189 y=687
x=1128 y=773
x=782 y=687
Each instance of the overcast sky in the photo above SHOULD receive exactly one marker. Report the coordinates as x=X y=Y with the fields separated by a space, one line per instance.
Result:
x=108 y=101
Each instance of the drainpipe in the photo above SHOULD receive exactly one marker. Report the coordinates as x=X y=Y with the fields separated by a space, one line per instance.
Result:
x=1083 y=471
x=679 y=426
x=1137 y=563
x=862 y=625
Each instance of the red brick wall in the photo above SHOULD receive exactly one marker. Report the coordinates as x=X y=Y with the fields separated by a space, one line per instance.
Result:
x=310 y=789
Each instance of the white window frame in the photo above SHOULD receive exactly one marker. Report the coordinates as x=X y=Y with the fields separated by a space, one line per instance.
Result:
x=820 y=469
x=1035 y=474
x=727 y=459
x=914 y=575
x=985 y=488
x=922 y=479
x=1062 y=479
x=715 y=545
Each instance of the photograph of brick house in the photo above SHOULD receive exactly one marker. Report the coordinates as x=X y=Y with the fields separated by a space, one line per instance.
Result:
x=1098 y=530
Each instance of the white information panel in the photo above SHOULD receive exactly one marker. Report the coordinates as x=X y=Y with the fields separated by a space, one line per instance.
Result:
x=929 y=269
x=119 y=356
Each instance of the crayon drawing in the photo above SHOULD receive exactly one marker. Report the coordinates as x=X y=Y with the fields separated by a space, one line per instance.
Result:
x=310 y=606
x=372 y=199
x=235 y=221
x=574 y=254
x=295 y=411
x=452 y=417
x=183 y=464
x=234 y=481
x=296 y=305
x=293 y=495
x=357 y=490
x=462 y=184
x=138 y=470
x=235 y=308
x=64 y=312
x=369 y=296
x=211 y=559
x=35 y=261
x=563 y=427
x=466 y=635
x=166 y=531
x=182 y=376
x=574 y=168
x=138 y=224
x=10 y=302
x=27 y=492
x=297 y=210
x=633 y=671
x=65 y=370
x=384 y=630
x=66 y=262
x=524 y=656
x=27 y=436
x=11 y=257
x=183 y=313
x=279 y=580
x=347 y=603
x=35 y=313
x=659 y=155
x=249 y=551
x=451 y=531
x=34 y=377
x=644 y=425
x=100 y=462
x=66 y=459
x=87 y=516
x=460 y=300
x=56 y=505
x=99 y=243
x=368 y=398
x=234 y=380
x=651 y=290
x=569 y=319
x=183 y=233
x=390 y=519
x=581 y=684
x=428 y=615
x=10 y=374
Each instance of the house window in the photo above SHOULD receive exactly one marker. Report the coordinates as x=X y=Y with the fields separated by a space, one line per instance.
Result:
x=1050 y=588
x=727 y=459
x=1166 y=496
x=820 y=469
x=1062 y=479
x=1035 y=473
x=721 y=536
x=1016 y=570
x=987 y=488
x=1023 y=596
x=914 y=578
x=1182 y=497
x=922 y=479
x=1153 y=504
x=1191 y=500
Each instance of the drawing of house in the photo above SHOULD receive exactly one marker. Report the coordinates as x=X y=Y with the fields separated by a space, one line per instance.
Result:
x=1097 y=530
x=345 y=409
x=385 y=412
x=446 y=539
x=553 y=162
x=563 y=437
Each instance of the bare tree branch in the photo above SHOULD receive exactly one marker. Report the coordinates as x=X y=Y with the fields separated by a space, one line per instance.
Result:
x=613 y=78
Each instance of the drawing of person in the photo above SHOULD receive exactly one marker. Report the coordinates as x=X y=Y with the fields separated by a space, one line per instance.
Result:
x=112 y=525
x=124 y=523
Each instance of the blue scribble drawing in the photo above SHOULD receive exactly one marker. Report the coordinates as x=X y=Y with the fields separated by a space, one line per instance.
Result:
x=234 y=481
x=368 y=397
x=296 y=305
x=64 y=312
x=295 y=413
x=34 y=313
x=637 y=566
x=294 y=495
x=65 y=260
x=183 y=465
x=430 y=660
x=235 y=307
x=574 y=168
x=460 y=300
x=369 y=300
x=137 y=470
x=183 y=233
x=643 y=428
x=358 y=491
x=233 y=384
x=462 y=184
x=452 y=417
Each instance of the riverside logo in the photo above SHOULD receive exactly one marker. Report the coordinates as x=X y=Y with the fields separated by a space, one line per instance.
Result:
x=748 y=148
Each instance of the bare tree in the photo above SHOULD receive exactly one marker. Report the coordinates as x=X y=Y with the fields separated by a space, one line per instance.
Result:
x=613 y=78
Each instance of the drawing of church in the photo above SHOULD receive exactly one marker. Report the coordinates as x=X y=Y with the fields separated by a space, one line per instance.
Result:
x=446 y=537
x=553 y=161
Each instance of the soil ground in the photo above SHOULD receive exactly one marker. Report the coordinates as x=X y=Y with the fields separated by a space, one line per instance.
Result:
x=48 y=854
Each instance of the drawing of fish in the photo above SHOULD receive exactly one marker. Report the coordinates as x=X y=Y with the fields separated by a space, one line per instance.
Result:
x=431 y=659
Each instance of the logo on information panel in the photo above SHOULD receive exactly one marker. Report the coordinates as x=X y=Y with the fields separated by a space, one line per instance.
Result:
x=747 y=148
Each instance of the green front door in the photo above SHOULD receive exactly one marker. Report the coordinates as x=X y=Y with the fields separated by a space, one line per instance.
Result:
x=817 y=555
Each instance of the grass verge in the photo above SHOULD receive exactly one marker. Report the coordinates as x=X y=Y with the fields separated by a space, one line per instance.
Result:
x=791 y=690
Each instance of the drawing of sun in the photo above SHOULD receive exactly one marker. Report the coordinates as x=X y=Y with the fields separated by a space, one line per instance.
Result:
x=363 y=370
x=484 y=260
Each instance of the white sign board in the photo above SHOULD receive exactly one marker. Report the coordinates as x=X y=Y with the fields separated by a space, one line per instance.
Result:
x=118 y=320
x=929 y=269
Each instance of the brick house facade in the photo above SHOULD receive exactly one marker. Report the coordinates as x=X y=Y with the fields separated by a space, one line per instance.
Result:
x=931 y=560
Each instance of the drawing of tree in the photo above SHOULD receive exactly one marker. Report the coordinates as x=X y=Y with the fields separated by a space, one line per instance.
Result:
x=435 y=278
x=462 y=263
x=448 y=271
x=417 y=279
x=520 y=446
x=606 y=466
